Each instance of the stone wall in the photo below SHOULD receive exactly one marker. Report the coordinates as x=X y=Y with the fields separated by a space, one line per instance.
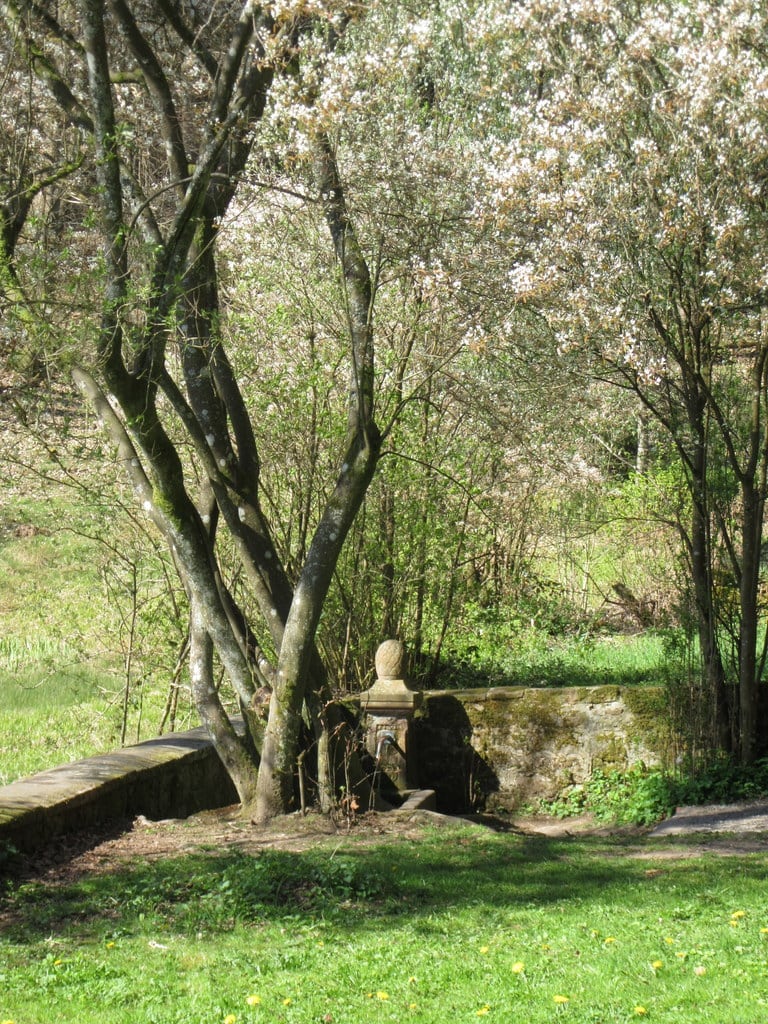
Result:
x=496 y=749
x=169 y=777
x=502 y=748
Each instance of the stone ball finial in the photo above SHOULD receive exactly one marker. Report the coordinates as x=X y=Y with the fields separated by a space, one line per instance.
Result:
x=391 y=660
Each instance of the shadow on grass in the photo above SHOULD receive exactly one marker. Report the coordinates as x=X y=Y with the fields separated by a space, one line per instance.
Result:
x=365 y=886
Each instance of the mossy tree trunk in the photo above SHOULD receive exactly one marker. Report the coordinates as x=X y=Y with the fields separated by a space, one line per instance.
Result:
x=161 y=381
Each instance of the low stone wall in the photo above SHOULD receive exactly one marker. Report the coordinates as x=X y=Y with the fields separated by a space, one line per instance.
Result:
x=502 y=748
x=169 y=777
x=495 y=750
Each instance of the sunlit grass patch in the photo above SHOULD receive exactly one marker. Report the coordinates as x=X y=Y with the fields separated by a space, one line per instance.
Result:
x=470 y=925
x=76 y=678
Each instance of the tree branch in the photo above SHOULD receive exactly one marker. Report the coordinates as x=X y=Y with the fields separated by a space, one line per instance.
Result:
x=159 y=90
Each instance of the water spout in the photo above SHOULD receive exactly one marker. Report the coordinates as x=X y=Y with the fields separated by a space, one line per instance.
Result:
x=387 y=739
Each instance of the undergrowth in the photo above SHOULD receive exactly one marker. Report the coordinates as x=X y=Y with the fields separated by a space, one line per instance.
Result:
x=642 y=795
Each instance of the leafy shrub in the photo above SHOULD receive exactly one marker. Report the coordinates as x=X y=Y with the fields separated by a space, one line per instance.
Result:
x=643 y=796
x=637 y=796
x=723 y=781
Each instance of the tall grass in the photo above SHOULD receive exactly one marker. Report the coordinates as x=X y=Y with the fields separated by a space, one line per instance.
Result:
x=50 y=718
x=65 y=690
x=529 y=656
x=56 y=683
x=18 y=653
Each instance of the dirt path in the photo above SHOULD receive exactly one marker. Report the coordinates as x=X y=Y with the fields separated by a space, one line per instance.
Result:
x=731 y=830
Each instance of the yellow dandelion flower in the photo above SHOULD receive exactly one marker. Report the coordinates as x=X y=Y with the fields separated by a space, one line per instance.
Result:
x=657 y=965
x=545 y=947
x=287 y=1001
x=764 y=931
x=561 y=1000
x=484 y=949
x=412 y=980
x=518 y=968
x=411 y=1006
x=382 y=995
x=681 y=956
x=640 y=1011
x=253 y=1000
x=669 y=941
x=483 y=1010
x=610 y=940
x=738 y=914
x=56 y=963
x=733 y=923
x=6 y=1022
x=230 y=1018
x=110 y=945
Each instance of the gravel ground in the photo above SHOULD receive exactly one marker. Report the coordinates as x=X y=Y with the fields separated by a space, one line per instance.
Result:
x=732 y=818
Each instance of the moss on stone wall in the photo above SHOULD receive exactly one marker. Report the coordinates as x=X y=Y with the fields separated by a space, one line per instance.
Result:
x=611 y=753
x=531 y=719
x=510 y=744
x=602 y=694
x=649 y=707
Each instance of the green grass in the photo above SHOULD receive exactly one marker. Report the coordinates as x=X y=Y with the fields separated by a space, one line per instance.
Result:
x=51 y=717
x=595 y=661
x=52 y=591
x=56 y=708
x=531 y=657
x=63 y=643
x=450 y=927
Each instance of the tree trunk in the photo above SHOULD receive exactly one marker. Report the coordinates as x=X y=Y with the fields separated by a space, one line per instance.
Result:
x=752 y=516
x=712 y=662
x=234 y=753
x=280 y=744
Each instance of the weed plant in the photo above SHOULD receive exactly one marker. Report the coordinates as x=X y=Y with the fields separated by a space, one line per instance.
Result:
x=452 y=926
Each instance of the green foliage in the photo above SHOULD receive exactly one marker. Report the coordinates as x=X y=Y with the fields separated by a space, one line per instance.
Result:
x=637 y=796
x=643 y=796
x=723 y=780
x=188 y=895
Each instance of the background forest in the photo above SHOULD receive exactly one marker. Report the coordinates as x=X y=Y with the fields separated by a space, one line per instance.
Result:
x=442 y=322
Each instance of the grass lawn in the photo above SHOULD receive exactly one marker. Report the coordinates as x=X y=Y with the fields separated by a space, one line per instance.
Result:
x=65 y=640
x=456 y=924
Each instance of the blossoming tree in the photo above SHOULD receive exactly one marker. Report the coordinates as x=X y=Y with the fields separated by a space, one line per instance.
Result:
x=177 y=129
x=630 y=186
